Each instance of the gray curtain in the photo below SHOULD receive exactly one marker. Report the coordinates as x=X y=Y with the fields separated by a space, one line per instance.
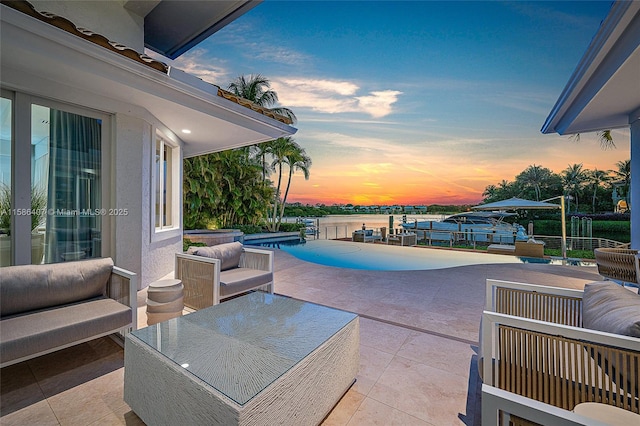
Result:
x=73 y=187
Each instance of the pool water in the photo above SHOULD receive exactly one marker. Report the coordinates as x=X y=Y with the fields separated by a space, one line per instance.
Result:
x=380 y=257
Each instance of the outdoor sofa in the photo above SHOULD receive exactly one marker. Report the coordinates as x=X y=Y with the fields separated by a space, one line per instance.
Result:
x=365 y=236
x=547 y=350
x=211 y=274
x=44 y=308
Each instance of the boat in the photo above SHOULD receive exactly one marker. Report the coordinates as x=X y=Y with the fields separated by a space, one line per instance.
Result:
x=488 y=227
x=311 y=225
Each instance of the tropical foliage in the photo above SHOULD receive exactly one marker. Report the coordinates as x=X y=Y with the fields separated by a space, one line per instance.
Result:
x=589 y=191
x=234 y=188
x=623 y=175
x=288 y=155
x=257 y=89
x=224 y=189
x=604 y=137
x=37 y=212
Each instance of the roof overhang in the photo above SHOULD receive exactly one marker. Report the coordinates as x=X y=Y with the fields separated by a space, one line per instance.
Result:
x=604 y=90
x=43 y=60
x=173 y=27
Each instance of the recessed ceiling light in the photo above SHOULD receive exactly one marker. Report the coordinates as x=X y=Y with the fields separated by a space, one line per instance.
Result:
x=187 y=131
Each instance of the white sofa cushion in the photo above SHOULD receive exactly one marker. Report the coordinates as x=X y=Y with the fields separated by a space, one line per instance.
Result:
x=612 y=308
x=46 y=329
x=26 y=288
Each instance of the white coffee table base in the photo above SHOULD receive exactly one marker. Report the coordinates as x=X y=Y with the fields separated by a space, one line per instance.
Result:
x=162 y=393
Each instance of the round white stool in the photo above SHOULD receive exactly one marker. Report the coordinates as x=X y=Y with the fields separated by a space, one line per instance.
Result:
x=607 y=414
x=164 y=300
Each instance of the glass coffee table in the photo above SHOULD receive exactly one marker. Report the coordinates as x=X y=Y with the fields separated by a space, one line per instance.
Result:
x=257 y=359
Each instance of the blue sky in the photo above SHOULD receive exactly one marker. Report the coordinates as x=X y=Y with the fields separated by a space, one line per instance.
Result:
x=416 y=102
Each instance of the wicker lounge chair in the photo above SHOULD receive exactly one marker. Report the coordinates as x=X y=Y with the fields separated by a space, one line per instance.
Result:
x=366 y=236
x=403 y=238
x=210 y=274
x=618 y=264
x=544 y=361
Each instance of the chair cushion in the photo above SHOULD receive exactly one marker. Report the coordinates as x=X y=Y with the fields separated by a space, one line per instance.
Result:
x=29 y=287
x=228 y=254
x=237 y=280
x=611 y=308
x=39 y=331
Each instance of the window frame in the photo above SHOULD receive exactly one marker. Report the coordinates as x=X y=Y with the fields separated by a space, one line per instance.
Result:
x=163 y=232
x=22 y=104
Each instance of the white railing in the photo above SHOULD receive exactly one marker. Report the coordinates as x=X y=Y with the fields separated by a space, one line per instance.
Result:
x=579 y=243
x=471 y=238
x=429 y=237
x=333 y=232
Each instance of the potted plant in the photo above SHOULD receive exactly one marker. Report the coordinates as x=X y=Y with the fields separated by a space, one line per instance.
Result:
x=37 y=214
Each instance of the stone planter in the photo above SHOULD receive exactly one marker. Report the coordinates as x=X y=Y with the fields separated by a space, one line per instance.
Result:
x=213 y=237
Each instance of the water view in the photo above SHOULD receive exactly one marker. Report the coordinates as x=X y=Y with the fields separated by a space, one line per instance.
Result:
x=381 y=257
x=341 y=226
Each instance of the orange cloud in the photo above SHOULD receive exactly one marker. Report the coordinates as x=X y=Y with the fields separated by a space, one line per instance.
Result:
x=366 y=170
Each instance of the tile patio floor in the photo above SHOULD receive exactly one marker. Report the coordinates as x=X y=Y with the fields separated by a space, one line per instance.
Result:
x=419 y=332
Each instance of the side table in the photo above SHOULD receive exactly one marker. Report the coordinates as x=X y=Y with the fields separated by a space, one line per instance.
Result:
x=608 y=414
x=164 y=300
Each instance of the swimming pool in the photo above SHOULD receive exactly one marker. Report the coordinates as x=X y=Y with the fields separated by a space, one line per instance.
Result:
x=380 y=257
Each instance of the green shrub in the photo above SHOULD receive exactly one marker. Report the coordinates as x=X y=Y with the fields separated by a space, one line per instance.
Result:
x=611 y=226
x=186 y=243
x=612 y=229
x=292 y=227
x=577 y=254
x=249 y=229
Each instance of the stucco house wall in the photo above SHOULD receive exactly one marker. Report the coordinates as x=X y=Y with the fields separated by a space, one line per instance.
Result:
x=41 y=60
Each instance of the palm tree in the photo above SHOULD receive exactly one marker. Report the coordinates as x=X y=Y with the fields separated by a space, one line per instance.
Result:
x=281 y=148
x=596 y=177
x=261 y=151
x=573 y=177
x=623 y=173
x=606 y=140
x=604 y=136
x=297 y=159
x=505 y=189
x=257 y=89
x=224 y=188
x=533 y=176
x=489 y=193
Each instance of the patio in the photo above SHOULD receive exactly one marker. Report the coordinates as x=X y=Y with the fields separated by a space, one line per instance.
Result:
x=419 y=332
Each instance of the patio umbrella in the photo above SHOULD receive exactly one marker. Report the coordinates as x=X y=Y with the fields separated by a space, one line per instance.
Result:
x=520 y=204
x=517 y=204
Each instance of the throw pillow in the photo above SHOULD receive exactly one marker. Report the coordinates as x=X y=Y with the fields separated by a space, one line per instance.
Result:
x=612 y=308
x=228 y=254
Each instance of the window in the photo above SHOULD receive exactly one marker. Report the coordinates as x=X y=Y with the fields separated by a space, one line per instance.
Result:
x=166 y=180
x=55 y=193
x=6 y=125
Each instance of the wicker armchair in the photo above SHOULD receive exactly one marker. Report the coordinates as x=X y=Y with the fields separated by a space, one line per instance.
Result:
x=366 y=236
x=538 y=362
x=207 y=281
x=618 y=264
x=403 y=238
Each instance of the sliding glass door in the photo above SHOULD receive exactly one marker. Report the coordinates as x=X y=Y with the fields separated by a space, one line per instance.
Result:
x=6 y=135
x=59 y=168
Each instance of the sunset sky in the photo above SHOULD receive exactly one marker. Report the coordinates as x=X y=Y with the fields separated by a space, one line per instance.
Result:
x=417 y=102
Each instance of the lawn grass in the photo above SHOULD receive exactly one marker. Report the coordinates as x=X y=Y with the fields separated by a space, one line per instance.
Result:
x=576 y=254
